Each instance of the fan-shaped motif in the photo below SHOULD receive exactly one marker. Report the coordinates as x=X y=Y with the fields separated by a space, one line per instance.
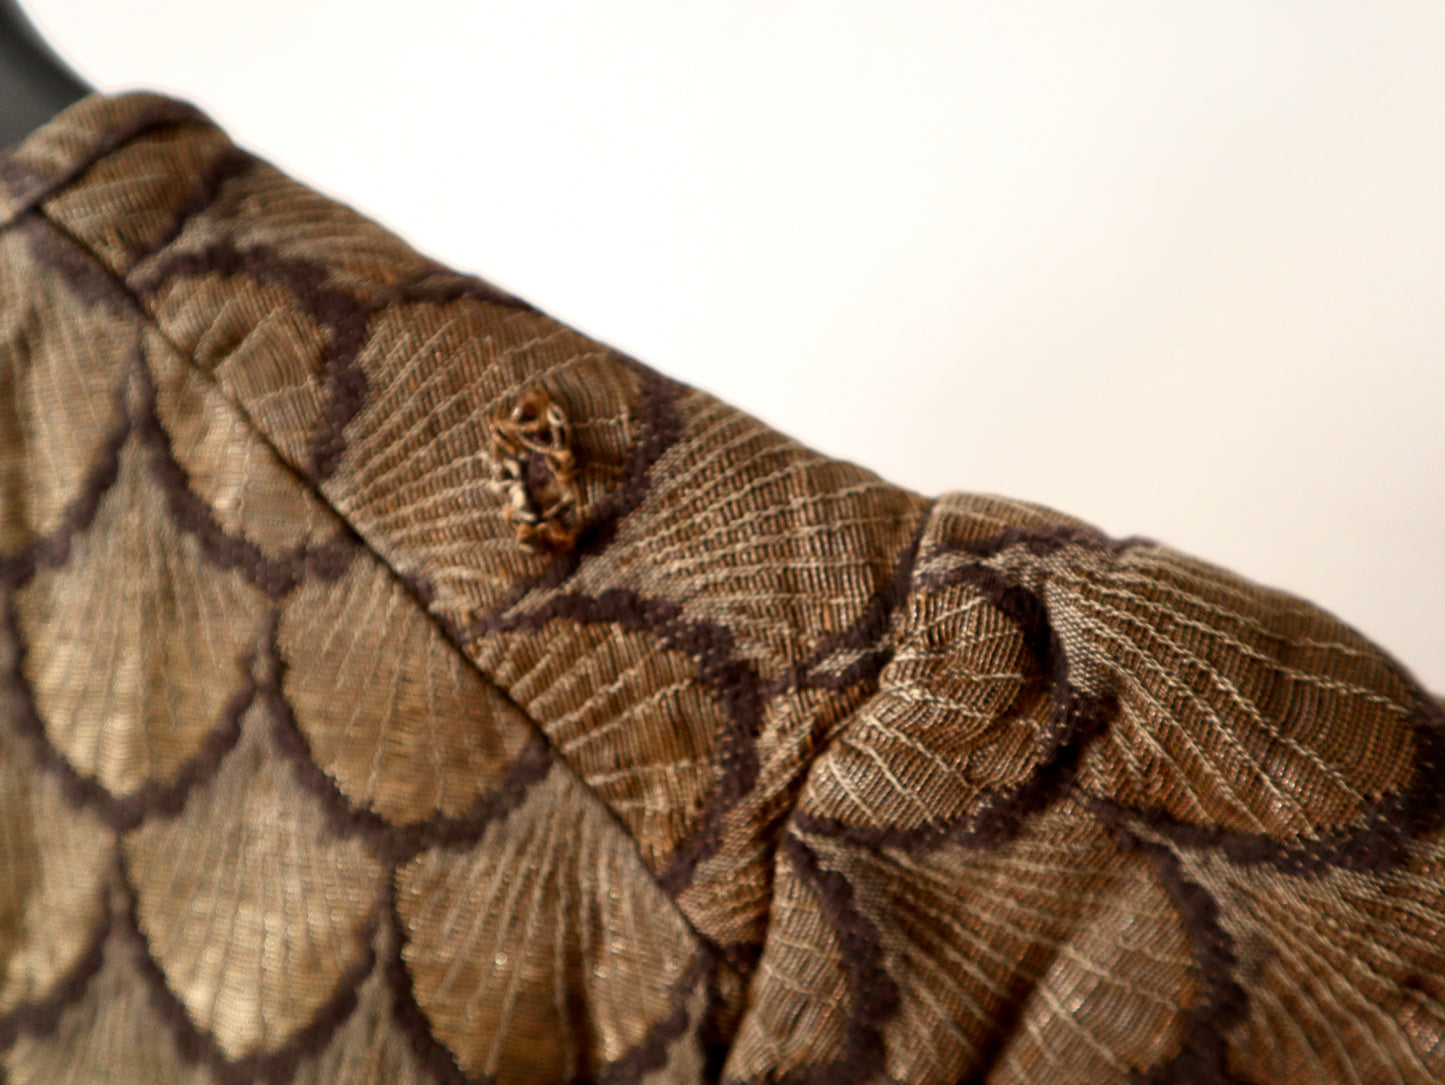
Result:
x=1346 y=974
x=251 y=864
x=56 y=861
x=726 y=879
x=372 y=1047
x=132 y=701
x=155 y=178
x=113 y=1025
x=1070 y=938
x=225 y=474
x=540 y=956
x=626 y=709
x=59 y=414
x=949 y=730
x=266 y=354
x=749 y=529
x=1224 y=719
x=260 y=209
x=422 y=734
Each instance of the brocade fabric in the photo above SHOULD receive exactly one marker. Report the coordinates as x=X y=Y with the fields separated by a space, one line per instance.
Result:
x=397 y=686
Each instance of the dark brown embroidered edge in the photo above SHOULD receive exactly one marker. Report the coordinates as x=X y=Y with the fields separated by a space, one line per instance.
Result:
x=278 y=576
x=51 y=550
x=866 y=635
x=152 y=799
x=40 y=1017
x=200 y=1047
x=1377 y=843
x=275 y=575
x=874 y=994
x=1203 y=1055
x=229 y=165
x=1078 y=718
x=345 y=317
x=732 y=681
x=395 y=844
x=28 y=186
x=86 y=279
x=410 y=1018
x=650 y=1053
x=1374 y=844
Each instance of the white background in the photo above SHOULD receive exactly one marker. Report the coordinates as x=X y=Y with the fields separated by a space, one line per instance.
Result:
x=1176 y=268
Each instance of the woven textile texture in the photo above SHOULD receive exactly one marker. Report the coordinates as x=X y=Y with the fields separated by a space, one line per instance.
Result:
x=398 y=687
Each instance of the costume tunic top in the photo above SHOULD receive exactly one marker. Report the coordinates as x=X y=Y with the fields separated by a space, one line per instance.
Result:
x=398 y=686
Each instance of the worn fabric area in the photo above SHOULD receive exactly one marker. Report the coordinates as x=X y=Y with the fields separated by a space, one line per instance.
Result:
x=398 y=686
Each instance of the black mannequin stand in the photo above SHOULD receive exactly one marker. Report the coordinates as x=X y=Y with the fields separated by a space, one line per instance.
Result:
x=34 y=83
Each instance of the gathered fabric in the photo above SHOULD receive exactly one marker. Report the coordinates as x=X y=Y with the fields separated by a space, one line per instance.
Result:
x=398 y=686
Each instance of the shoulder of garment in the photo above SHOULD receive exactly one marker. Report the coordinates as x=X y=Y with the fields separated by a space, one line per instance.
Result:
x=399 y=686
